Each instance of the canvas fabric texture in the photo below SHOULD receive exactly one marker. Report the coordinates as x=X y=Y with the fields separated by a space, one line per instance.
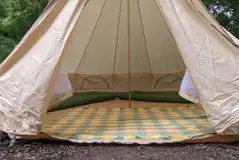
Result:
x=62 y=87
x=191 y=39
x=188 y=90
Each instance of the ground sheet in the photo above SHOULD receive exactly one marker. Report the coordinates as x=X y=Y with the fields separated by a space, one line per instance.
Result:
x=157 y=124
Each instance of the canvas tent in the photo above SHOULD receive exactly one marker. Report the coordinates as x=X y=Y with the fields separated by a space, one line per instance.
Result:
x=121 y=46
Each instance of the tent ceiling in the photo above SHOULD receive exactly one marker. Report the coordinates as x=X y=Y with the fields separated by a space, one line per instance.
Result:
x=99 y=42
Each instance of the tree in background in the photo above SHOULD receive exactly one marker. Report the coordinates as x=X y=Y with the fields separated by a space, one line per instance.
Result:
x=226 y=12
x=17 y=16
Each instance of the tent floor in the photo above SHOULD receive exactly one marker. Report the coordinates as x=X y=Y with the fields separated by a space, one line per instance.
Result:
x=144 y=123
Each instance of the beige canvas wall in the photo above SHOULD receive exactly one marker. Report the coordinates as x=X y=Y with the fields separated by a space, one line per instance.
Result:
x=99 y=45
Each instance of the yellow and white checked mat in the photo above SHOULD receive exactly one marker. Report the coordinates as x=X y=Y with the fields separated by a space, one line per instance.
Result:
x=124 y=125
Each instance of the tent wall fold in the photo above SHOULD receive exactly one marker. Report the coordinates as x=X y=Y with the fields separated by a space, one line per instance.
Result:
x=208 y=57
x=25 y=94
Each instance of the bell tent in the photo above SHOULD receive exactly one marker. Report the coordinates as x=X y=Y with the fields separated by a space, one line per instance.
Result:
x=111 y=71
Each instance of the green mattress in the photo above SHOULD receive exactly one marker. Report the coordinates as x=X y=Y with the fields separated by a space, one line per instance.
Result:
x=80 y=99
x=172 y=97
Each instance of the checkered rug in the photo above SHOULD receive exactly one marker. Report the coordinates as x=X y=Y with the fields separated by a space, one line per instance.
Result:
x=125 y=125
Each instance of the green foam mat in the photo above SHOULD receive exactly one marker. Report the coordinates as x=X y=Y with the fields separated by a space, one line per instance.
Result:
x=172 y=97
x=79 y=99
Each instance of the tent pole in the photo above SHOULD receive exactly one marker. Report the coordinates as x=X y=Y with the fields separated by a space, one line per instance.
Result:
x=129 y=57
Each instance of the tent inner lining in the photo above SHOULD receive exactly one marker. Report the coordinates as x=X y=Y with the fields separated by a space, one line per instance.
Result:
x=123 y=46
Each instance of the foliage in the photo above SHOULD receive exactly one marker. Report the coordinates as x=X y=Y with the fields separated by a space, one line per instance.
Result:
x=6 y=46
x=16 y=17
x=226 y=12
